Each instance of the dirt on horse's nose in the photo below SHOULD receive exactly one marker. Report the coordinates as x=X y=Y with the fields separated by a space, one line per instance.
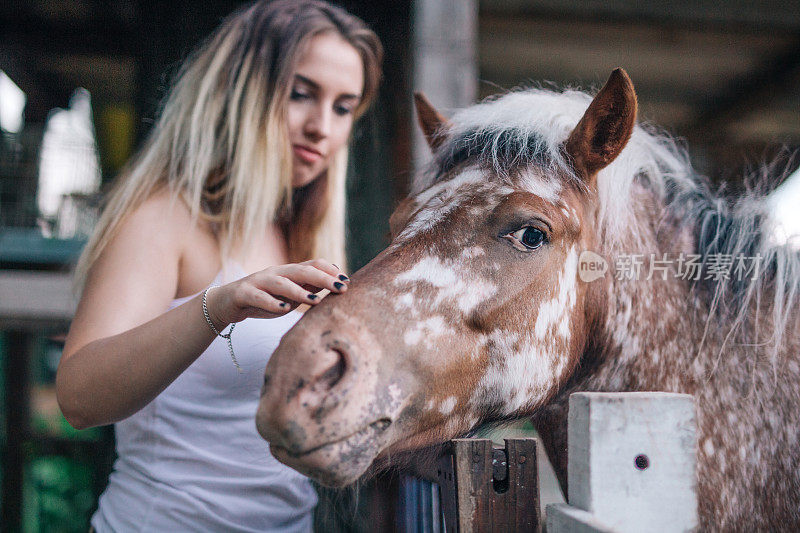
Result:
x=307 y=378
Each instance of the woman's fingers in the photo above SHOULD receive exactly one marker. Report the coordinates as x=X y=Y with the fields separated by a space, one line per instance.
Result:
x=308 y=275
x=267 y=304
x=285 y=289
x=328 y=268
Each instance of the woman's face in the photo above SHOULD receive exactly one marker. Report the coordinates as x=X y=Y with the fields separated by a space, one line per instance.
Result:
x=326 y=90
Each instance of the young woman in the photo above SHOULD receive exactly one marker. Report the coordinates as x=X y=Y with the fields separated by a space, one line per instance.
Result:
x=233 y=211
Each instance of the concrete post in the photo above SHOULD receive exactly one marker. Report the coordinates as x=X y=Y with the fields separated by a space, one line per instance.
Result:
x=631 y=464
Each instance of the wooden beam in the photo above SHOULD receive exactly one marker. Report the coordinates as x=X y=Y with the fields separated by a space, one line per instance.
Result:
x=774 y=16
x=680 y=60
x=102 y=31
x=747 y=93
x=30 y=299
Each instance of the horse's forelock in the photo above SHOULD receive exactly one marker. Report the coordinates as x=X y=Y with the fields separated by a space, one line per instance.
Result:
x=521 y=129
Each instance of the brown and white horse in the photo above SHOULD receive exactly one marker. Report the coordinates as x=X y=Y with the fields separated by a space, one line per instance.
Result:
x=546 y=252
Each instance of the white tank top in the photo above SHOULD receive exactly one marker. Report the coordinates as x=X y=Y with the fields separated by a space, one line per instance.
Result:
x=192 y=460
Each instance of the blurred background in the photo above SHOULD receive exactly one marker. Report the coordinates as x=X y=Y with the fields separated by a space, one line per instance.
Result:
x=80 y=83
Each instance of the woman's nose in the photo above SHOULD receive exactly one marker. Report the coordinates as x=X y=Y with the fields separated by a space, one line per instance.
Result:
x=318 y=123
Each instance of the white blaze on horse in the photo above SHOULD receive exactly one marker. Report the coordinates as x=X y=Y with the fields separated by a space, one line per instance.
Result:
x=481 y=309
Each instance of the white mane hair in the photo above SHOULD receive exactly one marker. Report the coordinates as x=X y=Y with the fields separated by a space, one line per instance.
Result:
x=528 y=127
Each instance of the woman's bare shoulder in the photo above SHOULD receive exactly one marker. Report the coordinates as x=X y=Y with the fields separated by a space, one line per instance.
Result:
x=165 y=225
x=162 y=212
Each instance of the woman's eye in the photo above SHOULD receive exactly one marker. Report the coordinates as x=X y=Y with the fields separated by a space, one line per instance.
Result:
x=529 y=237
x=299 y=95
x=342 y=110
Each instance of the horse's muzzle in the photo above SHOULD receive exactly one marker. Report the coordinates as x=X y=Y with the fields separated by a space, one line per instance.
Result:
x=325 y=408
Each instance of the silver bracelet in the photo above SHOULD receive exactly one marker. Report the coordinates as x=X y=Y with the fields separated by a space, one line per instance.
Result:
x=226 y=336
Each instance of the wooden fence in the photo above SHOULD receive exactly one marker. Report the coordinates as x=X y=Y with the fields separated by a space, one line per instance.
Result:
x=631 y=468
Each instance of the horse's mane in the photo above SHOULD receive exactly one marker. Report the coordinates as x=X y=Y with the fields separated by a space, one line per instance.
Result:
x=528 y=127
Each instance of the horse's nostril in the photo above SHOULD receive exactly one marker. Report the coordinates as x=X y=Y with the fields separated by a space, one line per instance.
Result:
x=381 y=425
x=336 y=371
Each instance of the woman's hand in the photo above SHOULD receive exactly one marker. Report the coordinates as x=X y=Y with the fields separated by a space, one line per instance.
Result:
x=274 y=291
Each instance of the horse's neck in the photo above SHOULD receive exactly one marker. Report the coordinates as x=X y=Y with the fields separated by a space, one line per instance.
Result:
x=662 y=333
x=647 y=317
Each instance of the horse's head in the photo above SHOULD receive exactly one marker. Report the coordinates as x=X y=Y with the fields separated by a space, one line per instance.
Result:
x=475 y=312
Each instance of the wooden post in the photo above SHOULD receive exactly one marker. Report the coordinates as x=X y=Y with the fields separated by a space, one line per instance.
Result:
x=484 y=488
x=18 y=344
x=30 y=302
x=631 y=464
x=445 y=52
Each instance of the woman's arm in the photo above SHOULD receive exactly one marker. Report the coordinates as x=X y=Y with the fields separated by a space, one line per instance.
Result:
x=123 y=349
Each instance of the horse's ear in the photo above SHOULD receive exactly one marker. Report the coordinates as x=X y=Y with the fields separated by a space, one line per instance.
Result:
x=433 y=124
x=605 y=128
x=399 y=219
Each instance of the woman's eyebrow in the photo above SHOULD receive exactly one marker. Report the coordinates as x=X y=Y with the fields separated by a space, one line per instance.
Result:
x=314 y=85
x=307 y=81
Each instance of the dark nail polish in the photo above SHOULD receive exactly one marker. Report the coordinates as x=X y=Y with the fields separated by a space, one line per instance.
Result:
x=283 y=304
x=343 y=277
x=312 y=296
x=338 y=285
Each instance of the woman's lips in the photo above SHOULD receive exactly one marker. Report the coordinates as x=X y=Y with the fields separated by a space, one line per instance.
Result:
x=305 y=154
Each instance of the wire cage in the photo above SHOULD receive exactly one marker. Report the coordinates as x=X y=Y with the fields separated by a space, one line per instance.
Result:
x=19 y=164
x=49 y=176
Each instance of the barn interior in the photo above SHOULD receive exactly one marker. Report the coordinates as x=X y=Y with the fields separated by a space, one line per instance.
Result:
x=80 y=86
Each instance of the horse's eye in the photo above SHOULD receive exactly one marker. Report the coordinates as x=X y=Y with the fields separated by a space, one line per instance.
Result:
x=529 y=237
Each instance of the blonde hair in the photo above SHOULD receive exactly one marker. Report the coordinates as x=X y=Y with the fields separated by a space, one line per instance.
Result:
x=223 y=123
